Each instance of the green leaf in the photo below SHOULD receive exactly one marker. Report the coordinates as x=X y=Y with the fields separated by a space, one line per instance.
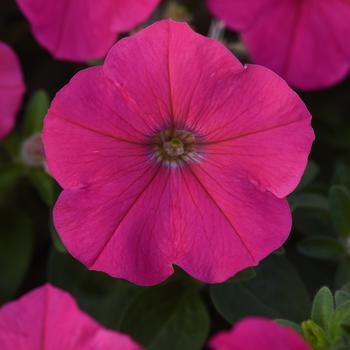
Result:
x=103 y=297
x=340 y=317
x=97 y=62
x=171 y=316
x=243 y=276
x=276 y=292
x=346 y=287
x=321 y=248
x=290 y=324
x=339 y=199
x=322 y=307
x=341 y=297
x=16 y=249
x=34 y=113
x=315 y=335
x=308 y=201
x=56 y=240
x=45 y=185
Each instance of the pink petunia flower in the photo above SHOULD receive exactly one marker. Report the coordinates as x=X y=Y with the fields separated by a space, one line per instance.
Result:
x=173 y=152
x=258 y=334
x=11 y=88
x=48 y=318
x=82 y=30
x=305 y=41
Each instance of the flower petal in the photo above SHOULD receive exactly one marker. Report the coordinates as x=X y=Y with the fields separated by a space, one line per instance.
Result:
x=229 y=224
x=168 y=217
x=90 y=125
x=170 y=64
x=288 y=37
x=119 y=227
x=258 y=333
x=240 y=14
x=77 y=30
x=48 y=318
x=130 y=13
x=264 y=127
x=125 y=214
x=11 y=88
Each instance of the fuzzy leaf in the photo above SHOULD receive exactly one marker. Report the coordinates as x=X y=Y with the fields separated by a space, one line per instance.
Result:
x=322 y=307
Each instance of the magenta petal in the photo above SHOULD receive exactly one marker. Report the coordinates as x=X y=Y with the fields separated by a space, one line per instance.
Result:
x=11 y=88
x=133 y=211
x=48 y=318
x=289 y=36
x=129 y=13
x=264 y=127
x=150 y=222
x=230 y=225
x=77 y=30
x=240 y=14
x=258 y=333
x=83 y=30
x=121 y=228
x=98 y=119
x=171 y=65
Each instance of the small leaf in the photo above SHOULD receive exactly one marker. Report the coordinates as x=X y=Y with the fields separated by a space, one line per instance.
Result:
x=340 y=209
x=346 y=287
x=308 y=201
x=97 y=62
x=170 y=316
x=315 y=335
x=271 y=293
x=341 y=297
x=322 y=307
x=243 y=276
x=44 y=184
x=56 y=240
x=340 y=317
x=34 y=113
x=290 y=324
x=321 y=248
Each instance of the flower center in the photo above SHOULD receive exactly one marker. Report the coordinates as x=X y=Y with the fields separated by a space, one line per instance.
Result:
x=172 y=147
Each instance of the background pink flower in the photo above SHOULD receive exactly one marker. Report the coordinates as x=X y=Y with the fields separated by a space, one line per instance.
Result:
x=11 y=88
x=82 y=30
x=258 y=334
x=175 y=153
x=49 y=319
x=305 y=41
